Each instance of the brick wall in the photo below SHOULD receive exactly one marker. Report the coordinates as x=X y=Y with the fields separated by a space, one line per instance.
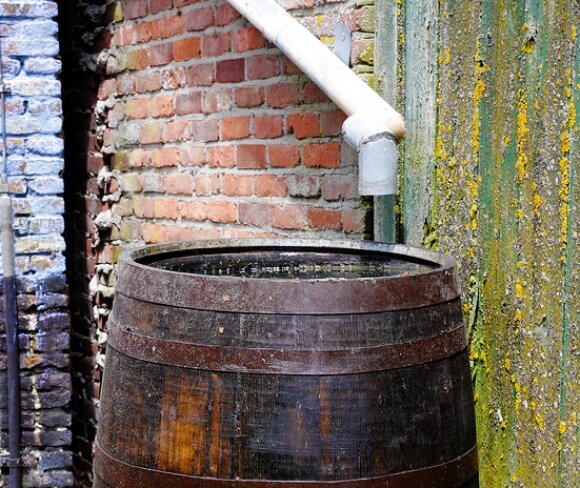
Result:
x=34 y=118
x=182 y=122
x=212 y=132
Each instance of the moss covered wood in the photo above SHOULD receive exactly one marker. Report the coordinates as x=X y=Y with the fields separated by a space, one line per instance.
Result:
x=490 y=92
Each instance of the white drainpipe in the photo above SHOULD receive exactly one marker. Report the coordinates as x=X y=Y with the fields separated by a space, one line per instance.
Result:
x=372 y=126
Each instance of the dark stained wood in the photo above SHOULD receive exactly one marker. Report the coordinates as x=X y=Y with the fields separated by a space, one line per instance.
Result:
x=230 y=428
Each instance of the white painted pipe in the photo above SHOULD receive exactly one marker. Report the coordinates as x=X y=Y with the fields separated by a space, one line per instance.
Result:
x=377 y=174
x=331 y=75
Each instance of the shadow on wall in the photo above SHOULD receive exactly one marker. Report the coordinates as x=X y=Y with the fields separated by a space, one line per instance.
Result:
x=82 y=36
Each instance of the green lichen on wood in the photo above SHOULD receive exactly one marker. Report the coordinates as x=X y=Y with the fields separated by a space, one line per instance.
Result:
x=502 y=196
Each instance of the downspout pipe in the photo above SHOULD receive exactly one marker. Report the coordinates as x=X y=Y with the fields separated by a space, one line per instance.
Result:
x=373 y=127
x=13 y=462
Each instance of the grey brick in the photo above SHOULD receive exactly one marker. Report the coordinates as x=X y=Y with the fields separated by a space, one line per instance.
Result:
x=35 y=86
x=45 y=145
x=42 y=66
x=46 y=185
x=32 y=8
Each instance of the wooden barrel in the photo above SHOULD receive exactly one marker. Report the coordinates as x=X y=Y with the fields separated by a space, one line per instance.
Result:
x=286 y=364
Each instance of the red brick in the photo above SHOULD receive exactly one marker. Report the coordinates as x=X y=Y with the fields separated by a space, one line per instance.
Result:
x=140 y=158
x=173 y=78
x=303 y=186
x=198 y=20
x=217 y=101
x=179 y=183
x=154 y=233
x=177 y=233
x=160 y=54
x=205 y=130
x=186 y=49
x=270 y=186
x=201 y=75
x=230 y=233
x=263 y=66
x=254 y=214
x=194 y=211
x=161 y=106
x=247 y=39
x=313 y=94
x=251 y=156
x=166 y=156
x=136 y=108
x=268 y=126
x=225 y=14
x=143 y=208
x=283 y=156
x=326 y=155
x=150 y=133
x=251 y=96
x=216 y=44
x=238 y=185
x=331 y=122
x=221 y=156
x=158 y=5
x=230 y=70
x=125 y=35
x=323 y=218
x=166 y=208
x=353 y=219
x=137 y=59
x=304 y=125
x=288 y=217
x=179 y=130
x=188 y=103
x=107 y=88
x=149 y=82
x=147 y=31
x=235 y=128
x=191 y=155
x=171 y=26
x=282 y=95
x=207 y=184
x=339 y=187
x=134 y=9
x=183 y=3
x=290 y=68
x=222 y=212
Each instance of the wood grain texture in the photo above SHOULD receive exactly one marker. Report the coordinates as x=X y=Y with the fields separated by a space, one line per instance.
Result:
x=503 y=199
x=216 y=423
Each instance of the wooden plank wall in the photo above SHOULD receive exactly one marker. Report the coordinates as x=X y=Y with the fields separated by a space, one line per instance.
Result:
x=491 y=95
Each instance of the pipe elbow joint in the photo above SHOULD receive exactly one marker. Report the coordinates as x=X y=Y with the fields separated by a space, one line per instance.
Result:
x=378 y=156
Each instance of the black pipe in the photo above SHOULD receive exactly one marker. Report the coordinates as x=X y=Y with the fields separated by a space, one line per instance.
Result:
x=13 y=367
x=10 y=305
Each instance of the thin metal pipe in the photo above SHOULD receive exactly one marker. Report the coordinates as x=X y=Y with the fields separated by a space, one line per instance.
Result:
x=10 y=305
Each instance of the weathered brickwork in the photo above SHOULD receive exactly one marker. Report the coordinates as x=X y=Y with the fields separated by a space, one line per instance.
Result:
x=182 y=122
x=34 y=122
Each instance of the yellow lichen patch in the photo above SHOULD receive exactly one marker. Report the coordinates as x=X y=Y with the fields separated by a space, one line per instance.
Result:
x=539 y=422
x=564 y=195
x=528 y=46
x=537 y=205
x=447 y=56
x=522 y=135
x=519 y=288
x=566 y=142
x=507 y=364
x=319 y=20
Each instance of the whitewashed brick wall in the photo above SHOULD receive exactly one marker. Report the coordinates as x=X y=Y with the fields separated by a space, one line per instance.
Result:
x=34 y=123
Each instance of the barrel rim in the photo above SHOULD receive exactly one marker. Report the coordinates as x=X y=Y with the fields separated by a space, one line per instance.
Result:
x=263 y=295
